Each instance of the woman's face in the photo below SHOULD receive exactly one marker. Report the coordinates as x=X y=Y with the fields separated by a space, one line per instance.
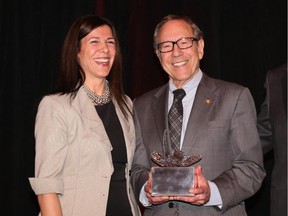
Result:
x=97 y=53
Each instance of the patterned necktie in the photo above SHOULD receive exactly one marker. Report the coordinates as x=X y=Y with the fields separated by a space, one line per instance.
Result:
x=175 y=118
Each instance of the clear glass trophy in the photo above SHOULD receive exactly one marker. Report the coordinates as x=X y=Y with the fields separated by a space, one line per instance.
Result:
x=175 y=174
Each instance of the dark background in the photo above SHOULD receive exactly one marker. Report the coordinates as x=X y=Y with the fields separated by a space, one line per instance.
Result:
x=243 y=40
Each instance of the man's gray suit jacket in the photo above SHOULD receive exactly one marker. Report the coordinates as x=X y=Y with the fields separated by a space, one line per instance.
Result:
x=221 y=128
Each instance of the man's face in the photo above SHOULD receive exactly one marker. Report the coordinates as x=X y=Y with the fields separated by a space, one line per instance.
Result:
x=180 y=64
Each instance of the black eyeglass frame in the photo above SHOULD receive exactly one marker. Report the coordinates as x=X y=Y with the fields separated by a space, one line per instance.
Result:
x=176 y=42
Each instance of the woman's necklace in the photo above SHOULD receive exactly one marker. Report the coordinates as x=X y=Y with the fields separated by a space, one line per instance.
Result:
x=98 y=99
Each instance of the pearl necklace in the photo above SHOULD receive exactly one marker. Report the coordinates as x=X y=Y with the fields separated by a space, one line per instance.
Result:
x=98 y=99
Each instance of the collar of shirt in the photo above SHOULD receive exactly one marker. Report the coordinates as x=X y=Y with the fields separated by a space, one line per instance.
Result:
x=190 y=88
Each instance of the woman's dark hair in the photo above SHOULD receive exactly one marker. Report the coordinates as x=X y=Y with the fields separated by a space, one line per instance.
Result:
x=71 y=76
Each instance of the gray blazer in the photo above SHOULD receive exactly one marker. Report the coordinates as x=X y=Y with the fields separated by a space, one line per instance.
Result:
x=73 y=154
x=272 y=126
x=221 y=128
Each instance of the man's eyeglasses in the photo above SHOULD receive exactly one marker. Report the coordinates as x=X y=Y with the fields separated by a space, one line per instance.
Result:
x=182 y=43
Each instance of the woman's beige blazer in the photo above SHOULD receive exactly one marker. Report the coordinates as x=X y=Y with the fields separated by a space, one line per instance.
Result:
x=73 y=154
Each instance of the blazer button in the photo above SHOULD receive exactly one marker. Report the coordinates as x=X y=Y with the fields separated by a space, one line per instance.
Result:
x=170 y=205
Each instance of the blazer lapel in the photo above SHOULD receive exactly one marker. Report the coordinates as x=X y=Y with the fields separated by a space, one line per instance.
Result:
x=87 y=110
x=203 y=103
x=128 y=131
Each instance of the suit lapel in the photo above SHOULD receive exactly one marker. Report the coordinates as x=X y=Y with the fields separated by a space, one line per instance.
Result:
x=203 y=103
x=159 y=107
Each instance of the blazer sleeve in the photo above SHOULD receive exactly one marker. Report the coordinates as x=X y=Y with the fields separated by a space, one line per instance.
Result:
x=51 y=147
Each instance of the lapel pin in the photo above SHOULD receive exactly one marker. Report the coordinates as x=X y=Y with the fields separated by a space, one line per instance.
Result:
x=207 y=101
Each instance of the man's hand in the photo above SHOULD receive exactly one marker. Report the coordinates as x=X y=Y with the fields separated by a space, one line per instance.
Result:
x=154 y=199
x=201 y=189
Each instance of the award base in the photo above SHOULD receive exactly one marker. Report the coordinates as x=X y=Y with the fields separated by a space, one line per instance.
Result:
x=172 y=181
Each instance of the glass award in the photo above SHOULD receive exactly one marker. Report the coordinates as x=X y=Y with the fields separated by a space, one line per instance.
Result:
x=175 y=174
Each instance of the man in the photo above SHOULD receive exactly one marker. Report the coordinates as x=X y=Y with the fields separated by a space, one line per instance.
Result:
x=219 y=123
x=272 y=126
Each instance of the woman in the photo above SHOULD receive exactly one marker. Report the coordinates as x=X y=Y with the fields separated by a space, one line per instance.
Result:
x=84 y=132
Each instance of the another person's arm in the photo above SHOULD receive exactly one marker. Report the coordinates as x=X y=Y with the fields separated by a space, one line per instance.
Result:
x=264 y=124
x=245 y=176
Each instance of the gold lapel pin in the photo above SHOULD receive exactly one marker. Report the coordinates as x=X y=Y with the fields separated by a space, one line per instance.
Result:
x=207 y=101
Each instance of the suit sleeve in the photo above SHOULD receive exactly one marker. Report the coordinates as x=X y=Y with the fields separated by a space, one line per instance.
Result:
x=245 y=176
x=264 y=124
x=141 y=165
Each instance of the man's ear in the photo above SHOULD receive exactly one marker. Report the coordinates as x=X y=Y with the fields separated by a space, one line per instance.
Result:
x=158 y=55
x=201 y=48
